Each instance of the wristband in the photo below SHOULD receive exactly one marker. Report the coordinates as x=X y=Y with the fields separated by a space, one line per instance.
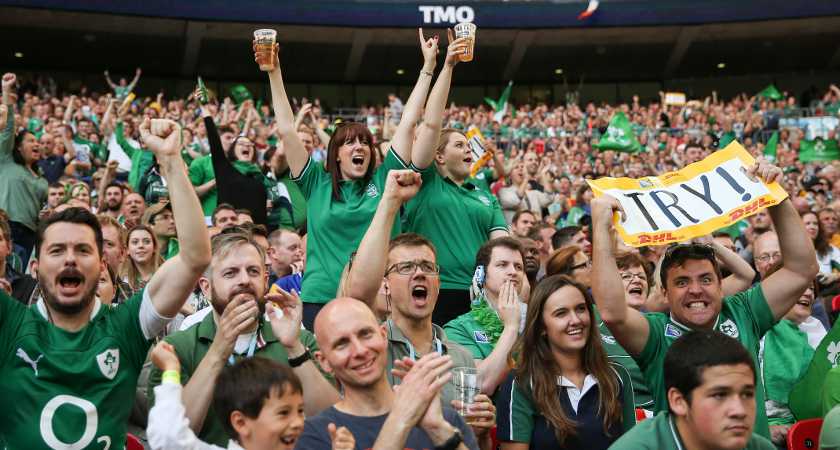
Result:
x=423 y=72
x=451 y=443
x=298 y=361
x=171 y=376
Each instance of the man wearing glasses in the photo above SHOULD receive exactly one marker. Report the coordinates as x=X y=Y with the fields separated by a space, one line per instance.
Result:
x=691 y=282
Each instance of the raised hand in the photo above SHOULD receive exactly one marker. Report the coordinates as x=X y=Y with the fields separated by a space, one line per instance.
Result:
x=341 y=438
x=765 y=171
x=604 y=207
x=285 y=313
x=162 y=136
x=276 y=54
x=164 y=357
x=402 y=185
x=455 y=49
x=429 y=48
x=9 y=80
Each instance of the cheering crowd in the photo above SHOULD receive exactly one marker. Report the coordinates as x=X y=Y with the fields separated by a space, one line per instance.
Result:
x=203 y=272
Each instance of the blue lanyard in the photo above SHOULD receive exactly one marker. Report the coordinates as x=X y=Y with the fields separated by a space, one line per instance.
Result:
x=252 y=345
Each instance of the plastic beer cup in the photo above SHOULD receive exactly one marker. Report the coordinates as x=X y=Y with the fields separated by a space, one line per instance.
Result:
x=466 y=30
x=265 y=39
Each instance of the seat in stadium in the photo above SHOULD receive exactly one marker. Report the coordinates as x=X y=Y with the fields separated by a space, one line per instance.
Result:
x=804 y=435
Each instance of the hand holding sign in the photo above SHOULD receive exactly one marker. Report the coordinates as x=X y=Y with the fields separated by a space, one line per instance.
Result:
x=725 y=187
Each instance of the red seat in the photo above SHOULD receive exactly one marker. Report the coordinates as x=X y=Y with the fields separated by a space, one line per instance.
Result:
x=132 y=442
x=804 y=435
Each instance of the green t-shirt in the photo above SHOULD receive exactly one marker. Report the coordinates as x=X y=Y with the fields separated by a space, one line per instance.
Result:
x=744 y=316
x=618 y=355
x=483 y=178
x=336 y=227
x=660 y=433
x=457 y=219
x=280 y=215
x=69 y=389
x=465 y=331
x=201 y=171
x=192 y=345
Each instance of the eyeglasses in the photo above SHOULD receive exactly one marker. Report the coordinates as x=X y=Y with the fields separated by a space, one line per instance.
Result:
x=765 y=257
x=408 y=267
x=629 y=276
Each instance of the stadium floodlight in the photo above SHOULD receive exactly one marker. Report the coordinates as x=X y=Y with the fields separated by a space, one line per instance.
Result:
x=400 y=71
x=18 y=55
x=721 y=65
x=558 y=71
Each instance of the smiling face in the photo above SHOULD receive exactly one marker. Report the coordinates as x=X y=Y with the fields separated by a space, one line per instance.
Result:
x=801 y=310
x=812 y=225
x=635 y=284
x=721 y=410
x=278 y=425
x=413 y=295
x=353 y=346
x=68 y=267
x=456 y=156
x=567 y=320
x=694 y=293
x=141 y=247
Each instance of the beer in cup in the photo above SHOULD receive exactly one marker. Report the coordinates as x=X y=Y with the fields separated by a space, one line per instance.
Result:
x=265 y=40
x=466 y=30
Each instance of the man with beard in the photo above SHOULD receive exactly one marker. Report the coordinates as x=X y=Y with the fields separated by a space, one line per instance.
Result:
x=236 y=282
x=691 y=281
x=111 y=202
x=133 y=208
x=70 y=352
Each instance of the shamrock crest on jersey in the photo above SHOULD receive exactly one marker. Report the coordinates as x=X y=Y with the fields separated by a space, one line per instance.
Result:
x=109 y=362
x=372 y=190
x=833 y=353
x=729 y=328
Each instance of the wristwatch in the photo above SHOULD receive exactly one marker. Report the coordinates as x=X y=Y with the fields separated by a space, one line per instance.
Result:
x=451 y=443
x=296 y=362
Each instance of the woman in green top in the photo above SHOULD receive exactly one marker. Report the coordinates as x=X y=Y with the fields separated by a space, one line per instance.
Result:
x=563 y=393
x=342 y=195
x=450 y=210
x=22 y=188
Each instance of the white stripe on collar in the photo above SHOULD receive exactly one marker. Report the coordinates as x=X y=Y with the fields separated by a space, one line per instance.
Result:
x=687 y=328
x=674 y=433
x=42 y=308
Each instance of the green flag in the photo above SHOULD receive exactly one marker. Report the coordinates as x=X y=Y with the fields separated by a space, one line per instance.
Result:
x=619 y=136
x=500 y=106
x=771 y=93
x=240 y=93
x=806 y=394
x=770 y=148
x=726 y=139
x=818 y=150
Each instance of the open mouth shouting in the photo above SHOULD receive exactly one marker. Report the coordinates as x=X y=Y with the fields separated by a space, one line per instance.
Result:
x=69 y=282
x=419 y=295
x=358 y=161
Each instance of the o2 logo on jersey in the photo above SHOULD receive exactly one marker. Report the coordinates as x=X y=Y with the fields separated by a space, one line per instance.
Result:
x=109 y=362
x=91 y=424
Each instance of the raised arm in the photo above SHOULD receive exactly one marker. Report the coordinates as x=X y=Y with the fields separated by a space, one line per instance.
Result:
x=135 y=80
x=108 y=119
x=742 y=274
x=368 y=268
x=295 y=151
x=109 y=81
x=173 y=282
x=404 y=135
x=628 y=326
x=7 y=132
x=428 y=133
x=799 y=260
x=107 y=178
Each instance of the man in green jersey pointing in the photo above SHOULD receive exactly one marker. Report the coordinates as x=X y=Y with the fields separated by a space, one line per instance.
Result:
x=70 y=363
x=691 y=281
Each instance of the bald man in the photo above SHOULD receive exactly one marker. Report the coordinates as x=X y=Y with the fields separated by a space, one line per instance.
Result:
x=353 y=348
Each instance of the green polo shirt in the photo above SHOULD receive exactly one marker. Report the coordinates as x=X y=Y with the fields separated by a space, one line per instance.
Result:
x=201 y=171
x=483 y=178
x=465 y=331
x=744 y=316
x=193 y=343
x=336 y=227
x=400 y=347
x=618 y=355
x=660 y=433
x=457 y=219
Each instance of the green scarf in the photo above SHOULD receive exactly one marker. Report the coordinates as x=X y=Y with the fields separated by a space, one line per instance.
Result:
x=253 y=171
x=488 y=319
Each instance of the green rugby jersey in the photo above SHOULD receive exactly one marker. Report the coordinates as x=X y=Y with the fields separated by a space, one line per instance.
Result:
x=744 y=316
x=66 y=390
x=660 y=433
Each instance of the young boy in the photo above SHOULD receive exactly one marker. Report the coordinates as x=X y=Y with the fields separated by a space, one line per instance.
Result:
x=259 y=401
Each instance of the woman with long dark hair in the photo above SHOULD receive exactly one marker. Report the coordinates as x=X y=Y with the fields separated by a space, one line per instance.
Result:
x=563 y=393
x=342 y=195
x=22 y=188
x=828 y=256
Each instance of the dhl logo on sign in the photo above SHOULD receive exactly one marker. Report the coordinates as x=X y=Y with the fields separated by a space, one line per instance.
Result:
x=695 y=201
